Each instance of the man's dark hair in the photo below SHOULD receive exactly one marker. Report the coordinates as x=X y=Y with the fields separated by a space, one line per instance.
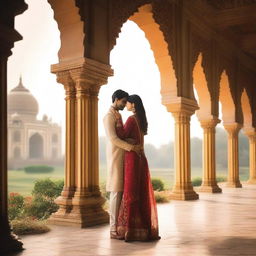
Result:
x=119 y=94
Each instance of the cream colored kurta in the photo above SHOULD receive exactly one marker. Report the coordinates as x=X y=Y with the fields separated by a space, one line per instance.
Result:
x=115 y=154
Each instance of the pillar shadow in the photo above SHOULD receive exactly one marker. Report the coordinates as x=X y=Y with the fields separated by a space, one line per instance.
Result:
x=233 y=246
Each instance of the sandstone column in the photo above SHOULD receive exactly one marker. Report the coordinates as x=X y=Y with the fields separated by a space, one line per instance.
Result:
x=8 y=35
x=233 y=156
x=84 y=206
x=251 y=133
x=182 y=109
x=209 y=183
x=65 y=200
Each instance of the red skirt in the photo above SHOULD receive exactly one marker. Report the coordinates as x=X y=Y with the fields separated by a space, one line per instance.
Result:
x=137 y=219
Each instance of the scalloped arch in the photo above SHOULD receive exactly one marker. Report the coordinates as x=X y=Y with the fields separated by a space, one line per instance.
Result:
x=71 y=29
x=200 y=84
x=247 y=109
x=226 y=99
x=145 y=21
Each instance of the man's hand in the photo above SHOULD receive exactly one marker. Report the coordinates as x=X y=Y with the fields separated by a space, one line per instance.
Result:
x=117 y=115
x=137 y=149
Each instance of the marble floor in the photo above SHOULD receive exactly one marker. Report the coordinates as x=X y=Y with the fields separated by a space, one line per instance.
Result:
x=217 y=224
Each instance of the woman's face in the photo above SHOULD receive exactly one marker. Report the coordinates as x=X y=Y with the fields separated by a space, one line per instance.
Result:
x=129 y=106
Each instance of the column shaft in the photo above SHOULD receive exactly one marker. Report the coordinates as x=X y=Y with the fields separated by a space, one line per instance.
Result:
x=183 y=189
x=8 y=241
x=209 y=183
x=233 y=155
x=65 y=200
x=252 y=155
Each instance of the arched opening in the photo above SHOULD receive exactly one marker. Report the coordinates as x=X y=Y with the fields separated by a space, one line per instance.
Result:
x=16 y=153
x=36 y=146
x=247 y=109
x=226 y=100
x=143 y=66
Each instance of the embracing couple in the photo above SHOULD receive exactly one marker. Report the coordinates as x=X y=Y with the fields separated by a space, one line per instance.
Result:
x=133 y=213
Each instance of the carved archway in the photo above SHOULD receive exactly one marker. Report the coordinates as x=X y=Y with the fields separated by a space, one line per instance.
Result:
x=200 y=84
x=226 y=99
x=247 y=109
x=146 y=22
x=71 y=29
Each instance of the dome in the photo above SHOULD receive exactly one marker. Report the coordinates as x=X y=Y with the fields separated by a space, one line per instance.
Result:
x=21 y=101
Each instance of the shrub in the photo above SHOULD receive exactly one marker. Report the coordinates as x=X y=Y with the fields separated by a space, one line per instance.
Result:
x=48 y=188
x=197 y=181
x=161 y=197
x=16 y=206
x=41 y=208
x=29 y=226
x=45 y=192
x=38 y=169
x=157 y=184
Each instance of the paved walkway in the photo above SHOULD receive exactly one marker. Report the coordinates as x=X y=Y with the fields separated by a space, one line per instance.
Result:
x=218 y=224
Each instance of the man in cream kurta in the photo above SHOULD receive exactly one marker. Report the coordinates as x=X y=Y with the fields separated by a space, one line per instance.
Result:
x=115 y=157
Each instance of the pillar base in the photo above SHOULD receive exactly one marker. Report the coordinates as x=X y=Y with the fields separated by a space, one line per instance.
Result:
x=184 y=195
x=81 y=212
x=251 y=181
x=10 y=243
x=235 y=184
x=209 y=189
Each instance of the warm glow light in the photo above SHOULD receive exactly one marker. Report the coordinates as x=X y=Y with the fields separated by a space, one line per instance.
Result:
x=132 y=61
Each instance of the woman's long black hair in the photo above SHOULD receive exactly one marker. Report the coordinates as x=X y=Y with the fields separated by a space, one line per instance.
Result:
x=140 y=111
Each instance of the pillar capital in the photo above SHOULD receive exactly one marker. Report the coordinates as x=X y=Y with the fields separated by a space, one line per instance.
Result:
x=250 y=132
x=87 y=70
x=232 y=128
x=181 y=106
x=65 y=78
x=209 y=123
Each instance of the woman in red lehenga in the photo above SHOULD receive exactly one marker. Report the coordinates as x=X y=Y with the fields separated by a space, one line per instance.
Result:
x=137 y=220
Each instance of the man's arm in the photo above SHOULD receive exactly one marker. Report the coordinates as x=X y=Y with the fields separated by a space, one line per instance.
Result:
x=109 y=124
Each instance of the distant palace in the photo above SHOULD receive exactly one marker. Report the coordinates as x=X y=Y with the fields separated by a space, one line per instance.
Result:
x=30 y=141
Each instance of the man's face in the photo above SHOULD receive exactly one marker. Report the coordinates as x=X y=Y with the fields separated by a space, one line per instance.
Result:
x=120 y=104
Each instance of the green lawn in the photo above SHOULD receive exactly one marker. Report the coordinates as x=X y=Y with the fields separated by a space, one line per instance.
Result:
x=23 y=183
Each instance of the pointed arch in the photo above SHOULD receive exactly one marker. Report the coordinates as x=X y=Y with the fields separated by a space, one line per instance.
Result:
x=226 y=99
x=145 y=21
x=200 y=84
x=71 y=29
x=246 y=109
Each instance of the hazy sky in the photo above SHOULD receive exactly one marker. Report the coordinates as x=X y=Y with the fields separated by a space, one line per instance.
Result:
x=131 y=59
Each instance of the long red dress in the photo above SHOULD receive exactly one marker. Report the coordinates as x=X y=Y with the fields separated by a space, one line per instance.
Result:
x=137 y=219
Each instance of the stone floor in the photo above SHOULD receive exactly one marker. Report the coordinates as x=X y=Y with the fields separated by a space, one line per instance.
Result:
x=218 y=224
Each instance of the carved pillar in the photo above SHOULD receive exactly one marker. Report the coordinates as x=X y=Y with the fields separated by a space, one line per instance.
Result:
x=65 y=200
x=182 y=109
x=85 y=206
x=209 y=183
x=8 y=35
x=251 y=133
x=233 y=157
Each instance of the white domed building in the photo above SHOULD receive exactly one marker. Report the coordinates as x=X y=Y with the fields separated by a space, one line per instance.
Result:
x=30 y=141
